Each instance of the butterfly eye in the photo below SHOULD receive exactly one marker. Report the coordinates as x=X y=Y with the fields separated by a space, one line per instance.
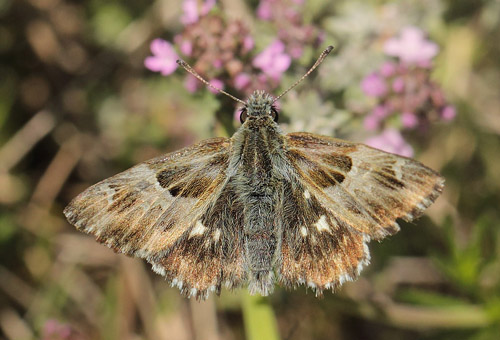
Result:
x=243 y=115
x=274 y=114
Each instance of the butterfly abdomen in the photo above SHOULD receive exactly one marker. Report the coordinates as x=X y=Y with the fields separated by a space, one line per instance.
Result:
x=259 y=188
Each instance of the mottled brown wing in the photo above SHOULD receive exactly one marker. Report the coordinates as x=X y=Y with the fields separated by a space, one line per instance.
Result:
x=350 y=194
x=169 y=210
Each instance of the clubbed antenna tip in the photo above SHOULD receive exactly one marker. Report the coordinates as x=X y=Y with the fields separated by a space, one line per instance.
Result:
x=322 y=57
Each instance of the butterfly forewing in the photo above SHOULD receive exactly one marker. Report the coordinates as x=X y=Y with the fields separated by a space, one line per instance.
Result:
x=162 y=209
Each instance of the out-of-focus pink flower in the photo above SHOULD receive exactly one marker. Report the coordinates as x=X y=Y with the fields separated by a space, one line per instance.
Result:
x=391 y=140
x=296 y=52
x=448 y=113
x=216 y=83
x=398 y=84
x=264 y=10
x=409 y=120
x=371 y=122
x=387 y=69
x=191 y=11
x=248 y=43
x=217 y=63
x=273 y=61
x=241 y=81
x=191 y=83
x=164 y=57
x=55 y=330
x=374 y=85
x=411 y=47
x=380 y=111
x=186 y=48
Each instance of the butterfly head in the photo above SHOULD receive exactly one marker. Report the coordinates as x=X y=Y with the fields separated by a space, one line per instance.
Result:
x=259 y=104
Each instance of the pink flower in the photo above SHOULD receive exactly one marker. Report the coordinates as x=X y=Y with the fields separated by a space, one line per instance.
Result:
x=374 y=85
x=371 y=122
x=264 y=10
x=448 y=113
x=273 y=61
x=398 y=84
x=164 y=57
x=191 y=83
x=216 y=83
x=186 y=48
x=409 y=120
x=241 y=81
x=380 y=111
x=390 y=140
x=191 y=11
x=387 y=69
x=411 y=47
x=248 y=43
x=53 y=329
x=296 y=52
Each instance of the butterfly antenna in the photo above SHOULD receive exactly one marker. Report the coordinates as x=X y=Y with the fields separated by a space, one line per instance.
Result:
x=316 y=64
x=191 y=70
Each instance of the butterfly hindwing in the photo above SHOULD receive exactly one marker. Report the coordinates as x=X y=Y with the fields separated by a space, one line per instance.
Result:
x=317 y=250
x=210 y=254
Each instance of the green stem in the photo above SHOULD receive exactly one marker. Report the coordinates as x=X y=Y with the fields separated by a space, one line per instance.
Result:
x=259 y=319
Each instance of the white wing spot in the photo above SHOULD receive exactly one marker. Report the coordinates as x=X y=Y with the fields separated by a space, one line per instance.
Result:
x=217 y=234
x=307 y=194
x=198 y=229
x=303 y=231
x=322 y=224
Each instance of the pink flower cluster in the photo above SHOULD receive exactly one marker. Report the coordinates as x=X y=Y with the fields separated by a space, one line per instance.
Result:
x=222 y=50
x=286 y=16
x=55 y=330
x=403 y=89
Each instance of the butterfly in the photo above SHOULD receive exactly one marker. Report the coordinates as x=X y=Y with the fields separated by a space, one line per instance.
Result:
x=259 y=208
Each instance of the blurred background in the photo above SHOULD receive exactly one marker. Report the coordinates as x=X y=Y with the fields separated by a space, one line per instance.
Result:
x=90 y=88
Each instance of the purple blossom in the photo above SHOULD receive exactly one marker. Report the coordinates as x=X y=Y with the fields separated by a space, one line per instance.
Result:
x=374 y=85
x=248 y=43
x=411 y=47
x=216 y=83
x=387 y=69
x=191 y=83
x=164 y=57
x=448 y=113
x=371 y=122
x=381 y=111
x=53 y=329
x=264 y=10
x=398 y=84
x=273 y=61
x=391 y=140
x=192 y=12
x=296 y=51
x=409 y=120
x=186 y=48
x=241 y=81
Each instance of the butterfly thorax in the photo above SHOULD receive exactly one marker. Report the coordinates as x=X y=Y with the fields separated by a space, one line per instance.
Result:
x=259 y=186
